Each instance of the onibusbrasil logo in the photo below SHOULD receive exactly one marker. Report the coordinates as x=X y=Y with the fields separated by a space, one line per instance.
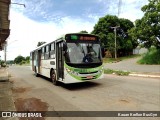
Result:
x=21 y=114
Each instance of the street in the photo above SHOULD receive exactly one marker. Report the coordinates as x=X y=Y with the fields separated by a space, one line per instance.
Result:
x=113 y=93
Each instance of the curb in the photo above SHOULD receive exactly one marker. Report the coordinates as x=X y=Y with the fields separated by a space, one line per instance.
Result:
x=144 y=75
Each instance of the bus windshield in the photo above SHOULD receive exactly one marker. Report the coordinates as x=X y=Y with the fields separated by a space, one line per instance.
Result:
x=82 y=53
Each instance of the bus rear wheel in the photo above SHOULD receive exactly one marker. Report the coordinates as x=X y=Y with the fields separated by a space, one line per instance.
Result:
x=53 y=77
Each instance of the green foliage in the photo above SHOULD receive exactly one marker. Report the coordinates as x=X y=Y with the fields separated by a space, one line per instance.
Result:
x=2 y=63
x=22 y=60
x=147 y=29
x=151 y=57
x=83 y=31
x=117 y=72
x=19 y=59
x=10 y=62
x=104 y=29
x=112 y=60
x=108 y=71
x=40 y=43
x=27 y=58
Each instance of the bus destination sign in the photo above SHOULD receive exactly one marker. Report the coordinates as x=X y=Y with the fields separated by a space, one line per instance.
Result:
x=81 y=37
x=87 y=38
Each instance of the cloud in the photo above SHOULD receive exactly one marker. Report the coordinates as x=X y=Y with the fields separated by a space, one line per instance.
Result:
x=131 y=9
x=47 y=20
x=26 y=33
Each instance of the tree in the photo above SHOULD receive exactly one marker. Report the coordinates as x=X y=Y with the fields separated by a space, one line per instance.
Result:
x=27 y=59
x=19 y=59
x=83 y=31
x=10 y=62
x=40 y=43
x=106 y=33
x=147 y=29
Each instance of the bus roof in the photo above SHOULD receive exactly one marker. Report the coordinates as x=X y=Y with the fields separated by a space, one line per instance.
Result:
x=39 y=47
x=62 y=38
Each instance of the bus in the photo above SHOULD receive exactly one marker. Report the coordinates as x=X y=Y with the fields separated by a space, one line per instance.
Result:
x=73 y=58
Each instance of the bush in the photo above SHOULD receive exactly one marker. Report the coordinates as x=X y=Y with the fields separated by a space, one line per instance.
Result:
x=3 y=64
x=151 y=57
x=117 y=72
x=22 y=62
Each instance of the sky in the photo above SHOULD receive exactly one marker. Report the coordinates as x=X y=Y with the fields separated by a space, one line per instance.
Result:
x=47 y=20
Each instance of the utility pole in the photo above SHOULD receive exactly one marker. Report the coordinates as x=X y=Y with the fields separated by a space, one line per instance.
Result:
x=115 y=29
x=5 y=45
x=5 y=52
x=115 y=33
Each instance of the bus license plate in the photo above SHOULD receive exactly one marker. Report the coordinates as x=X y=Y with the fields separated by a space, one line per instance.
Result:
x=89 y=77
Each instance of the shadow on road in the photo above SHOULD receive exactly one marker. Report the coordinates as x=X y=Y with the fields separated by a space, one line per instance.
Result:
x=75 y=86
x=81 y=86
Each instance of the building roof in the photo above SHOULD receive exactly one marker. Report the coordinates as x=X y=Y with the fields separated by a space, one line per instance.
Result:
x=4 y=21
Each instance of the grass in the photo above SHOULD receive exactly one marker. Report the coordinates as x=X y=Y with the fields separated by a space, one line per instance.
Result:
x=152 y=57
x=109 y=60
x=117 y=72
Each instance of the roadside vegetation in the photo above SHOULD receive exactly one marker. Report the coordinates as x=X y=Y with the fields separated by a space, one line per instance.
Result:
x=19 y=60
x=113 y=60
x=145 y=31
x=117 y=72
x=2 y=63
x=151 y=57
x=22 y=60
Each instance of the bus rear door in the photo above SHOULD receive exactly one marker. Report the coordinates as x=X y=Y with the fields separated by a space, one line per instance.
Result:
x=60 y=60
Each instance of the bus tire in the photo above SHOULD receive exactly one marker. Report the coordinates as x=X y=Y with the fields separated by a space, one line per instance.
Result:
x=53 y=77
x=36 y=72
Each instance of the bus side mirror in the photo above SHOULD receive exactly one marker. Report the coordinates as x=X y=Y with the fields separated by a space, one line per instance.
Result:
x=64 y=46
x=103 y=51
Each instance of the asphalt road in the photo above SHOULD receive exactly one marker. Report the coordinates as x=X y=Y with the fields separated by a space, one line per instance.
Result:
x=113 y=93
x=132 y=66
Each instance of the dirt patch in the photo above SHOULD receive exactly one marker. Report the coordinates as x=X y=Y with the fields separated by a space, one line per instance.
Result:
x=30 y=105
x=124 y=101
x=12 y=81
x=20 y=90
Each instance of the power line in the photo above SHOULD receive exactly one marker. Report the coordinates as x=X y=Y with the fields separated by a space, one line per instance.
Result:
x=116 y=27
x=19 y=4
x=119 y=7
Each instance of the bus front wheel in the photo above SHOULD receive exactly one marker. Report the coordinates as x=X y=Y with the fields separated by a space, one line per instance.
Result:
x=53 y=77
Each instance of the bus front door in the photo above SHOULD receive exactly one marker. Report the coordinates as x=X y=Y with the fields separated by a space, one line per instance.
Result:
x=39 y=61
x=60 y=60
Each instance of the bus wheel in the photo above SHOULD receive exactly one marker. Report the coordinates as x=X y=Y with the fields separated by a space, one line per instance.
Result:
x=53 y=77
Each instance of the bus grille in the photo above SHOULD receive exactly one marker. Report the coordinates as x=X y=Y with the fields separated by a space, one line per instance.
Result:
x=88 y=72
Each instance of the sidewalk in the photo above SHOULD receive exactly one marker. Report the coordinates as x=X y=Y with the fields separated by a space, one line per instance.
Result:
x=6 y=98
x=3 y=74
x=135 y=69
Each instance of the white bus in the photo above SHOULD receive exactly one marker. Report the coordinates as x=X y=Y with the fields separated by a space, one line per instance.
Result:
x=70 y=59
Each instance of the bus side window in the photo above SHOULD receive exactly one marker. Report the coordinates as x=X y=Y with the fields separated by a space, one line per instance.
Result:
x=47 y=52
x=31 y=56
x=52 y=51
x=42 y=55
